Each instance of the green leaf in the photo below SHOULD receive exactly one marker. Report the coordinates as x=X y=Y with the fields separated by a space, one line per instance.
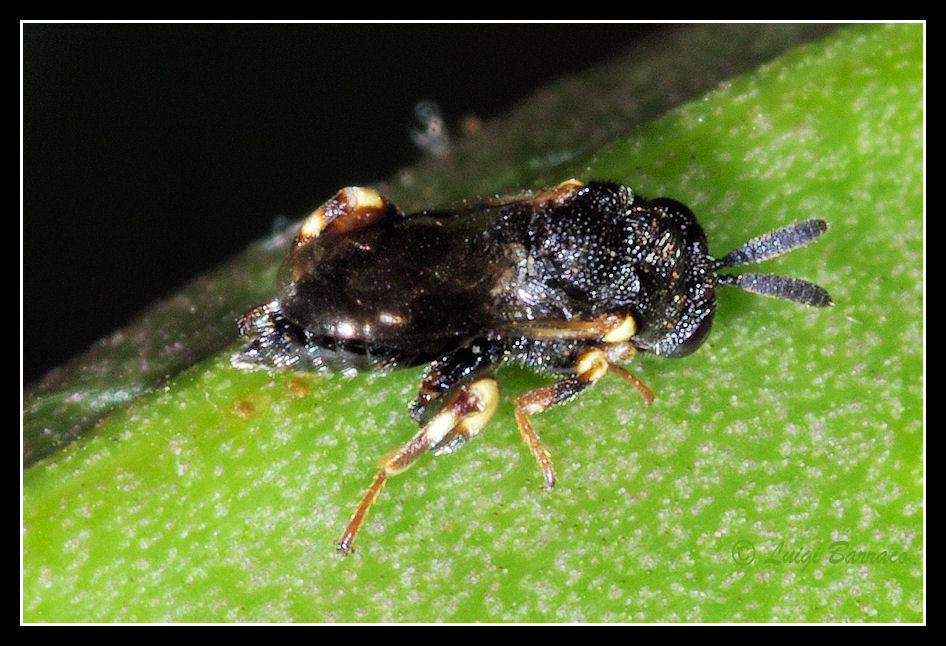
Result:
x=777 y=476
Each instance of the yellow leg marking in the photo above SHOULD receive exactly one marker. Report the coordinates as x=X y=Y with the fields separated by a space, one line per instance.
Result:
x=592 y=364
x=486 y=393
x=613 y=328
x=560 y=194
x=465 y=414
x=622 y=330
x=351 y=200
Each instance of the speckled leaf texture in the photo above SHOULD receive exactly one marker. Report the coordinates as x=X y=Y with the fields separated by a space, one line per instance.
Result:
x=778 y=476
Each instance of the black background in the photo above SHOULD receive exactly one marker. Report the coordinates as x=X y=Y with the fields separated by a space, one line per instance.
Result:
x=152 y=152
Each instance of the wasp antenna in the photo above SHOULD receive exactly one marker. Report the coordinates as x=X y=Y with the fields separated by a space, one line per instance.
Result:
x=790 y=289
x=774 y=243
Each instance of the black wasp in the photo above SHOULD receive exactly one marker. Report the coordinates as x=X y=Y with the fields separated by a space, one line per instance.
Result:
x=572 y=281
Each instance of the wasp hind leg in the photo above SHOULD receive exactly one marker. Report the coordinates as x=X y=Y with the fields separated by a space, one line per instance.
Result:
x=351 y=208
x=467 y=411
x=474 y=358
x=592 y=364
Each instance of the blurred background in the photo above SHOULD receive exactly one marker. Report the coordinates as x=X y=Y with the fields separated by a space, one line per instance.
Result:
x=152 y=152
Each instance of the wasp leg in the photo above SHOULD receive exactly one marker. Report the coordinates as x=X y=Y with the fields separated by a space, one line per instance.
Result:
x=641 y=387
x=463 y=364
x=352 y=208
x=591 y=366
x=542 y=199
x=623 y=352
x=611 y=329
x=557 y=196
x=482 y=354
x=464 y=415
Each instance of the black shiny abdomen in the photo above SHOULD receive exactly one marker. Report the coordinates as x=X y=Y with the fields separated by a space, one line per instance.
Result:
x=407 y=291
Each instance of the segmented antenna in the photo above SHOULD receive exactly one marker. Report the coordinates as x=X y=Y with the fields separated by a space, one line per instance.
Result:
x=770 y=245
